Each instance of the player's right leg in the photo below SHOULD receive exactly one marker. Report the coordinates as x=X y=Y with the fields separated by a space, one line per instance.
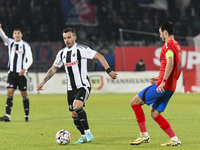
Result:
x=11 y=87
x=82 y=116
x=9 y=104
x=140 y=117
x=76 y=100
x=79 y=126
x=79 y=101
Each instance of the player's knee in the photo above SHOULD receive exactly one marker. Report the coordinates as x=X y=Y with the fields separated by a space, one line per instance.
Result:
x=137 y=100
x=133 y=102
x=74 y=114
x=10 y=92
x=9 y=102
x=154 y=114
x=24 y=94
x=78 y=110
x=25 y=98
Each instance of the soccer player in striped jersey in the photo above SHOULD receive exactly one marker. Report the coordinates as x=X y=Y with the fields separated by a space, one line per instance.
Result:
x=159 y=94
x=74 y=58
x=20 y=59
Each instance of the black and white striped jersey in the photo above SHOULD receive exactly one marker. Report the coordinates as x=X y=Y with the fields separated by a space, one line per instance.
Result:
x=75 y=62
x=20 y=55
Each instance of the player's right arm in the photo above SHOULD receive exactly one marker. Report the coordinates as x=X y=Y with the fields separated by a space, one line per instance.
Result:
x=49 y=74
x=3 y=35
x=57 y=64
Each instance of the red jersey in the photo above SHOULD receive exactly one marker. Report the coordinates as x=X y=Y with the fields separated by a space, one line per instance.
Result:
x=172 y=79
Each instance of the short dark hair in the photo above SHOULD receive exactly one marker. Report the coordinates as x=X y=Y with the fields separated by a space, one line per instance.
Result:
x=70 y=29
x=168 y=26
x=17 y=29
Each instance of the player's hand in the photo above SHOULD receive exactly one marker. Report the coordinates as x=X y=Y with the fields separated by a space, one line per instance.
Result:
x=0 y=25
x=153 y=80
x=22 y=72
x=113 y=75
x=160 y=88
x=39 y=86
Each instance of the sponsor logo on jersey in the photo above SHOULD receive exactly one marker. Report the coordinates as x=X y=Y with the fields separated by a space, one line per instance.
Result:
x=71 y=63
x=17 y=52
x=74 y=54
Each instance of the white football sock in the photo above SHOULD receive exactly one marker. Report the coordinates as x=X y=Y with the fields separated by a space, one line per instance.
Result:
x=175 y=138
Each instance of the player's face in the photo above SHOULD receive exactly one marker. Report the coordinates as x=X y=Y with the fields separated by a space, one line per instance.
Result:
x=69 y=39
x=17 y=35
x=162 y=35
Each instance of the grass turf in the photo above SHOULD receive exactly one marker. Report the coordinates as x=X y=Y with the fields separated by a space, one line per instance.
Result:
x=111 y=121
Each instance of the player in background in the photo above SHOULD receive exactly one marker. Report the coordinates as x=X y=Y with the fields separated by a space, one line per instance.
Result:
x=159 y=94
x=20 y=59
x=74 y=58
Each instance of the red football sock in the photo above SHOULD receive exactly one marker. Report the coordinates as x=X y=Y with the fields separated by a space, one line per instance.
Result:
x=140 y=117
x=164 y=124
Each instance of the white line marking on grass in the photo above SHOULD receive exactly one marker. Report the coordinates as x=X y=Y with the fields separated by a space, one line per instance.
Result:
x=118 y=118
x=129 y=118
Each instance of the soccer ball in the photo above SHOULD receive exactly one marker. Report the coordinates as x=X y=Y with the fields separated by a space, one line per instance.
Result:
x=63 y=137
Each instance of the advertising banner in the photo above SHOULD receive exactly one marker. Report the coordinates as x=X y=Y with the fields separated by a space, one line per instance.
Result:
x=151 y=57
x=32 y=84
x=127 y=82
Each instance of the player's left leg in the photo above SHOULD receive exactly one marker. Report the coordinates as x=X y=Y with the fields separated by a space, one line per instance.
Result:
x=26 y=105
x=166 y=127
x=23 y=86
x=158 y=107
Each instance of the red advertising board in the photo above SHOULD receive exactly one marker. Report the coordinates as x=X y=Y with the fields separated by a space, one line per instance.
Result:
x=151 y=57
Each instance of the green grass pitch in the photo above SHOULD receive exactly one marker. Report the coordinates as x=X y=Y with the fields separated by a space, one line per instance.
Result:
x=111 y=121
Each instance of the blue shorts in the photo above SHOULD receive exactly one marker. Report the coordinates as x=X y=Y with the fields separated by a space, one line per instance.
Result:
x=157 y=100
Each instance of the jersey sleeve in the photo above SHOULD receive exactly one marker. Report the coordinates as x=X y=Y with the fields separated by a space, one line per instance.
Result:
x=4 y=37
x=8 y=42
x=29 y=57
x=58 y=61
x=88 y=53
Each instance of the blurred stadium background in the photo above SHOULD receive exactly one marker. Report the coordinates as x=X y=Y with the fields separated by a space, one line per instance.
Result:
x=124 y=31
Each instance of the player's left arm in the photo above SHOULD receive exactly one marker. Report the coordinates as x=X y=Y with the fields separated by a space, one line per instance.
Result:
x=104 y=63
x=168 y=70
x=29 y=60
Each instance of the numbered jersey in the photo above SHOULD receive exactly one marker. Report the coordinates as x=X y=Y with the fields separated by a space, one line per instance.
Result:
x=75 y=62
x=172 y=80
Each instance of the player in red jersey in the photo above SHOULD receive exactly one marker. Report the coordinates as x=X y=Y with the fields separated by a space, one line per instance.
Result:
x=162 y=88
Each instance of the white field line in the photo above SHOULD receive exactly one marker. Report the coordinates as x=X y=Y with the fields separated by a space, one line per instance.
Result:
x=147 y=118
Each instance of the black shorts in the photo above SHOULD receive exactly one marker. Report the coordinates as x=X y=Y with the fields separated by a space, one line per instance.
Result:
x=80 y=94
x=14 y=81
